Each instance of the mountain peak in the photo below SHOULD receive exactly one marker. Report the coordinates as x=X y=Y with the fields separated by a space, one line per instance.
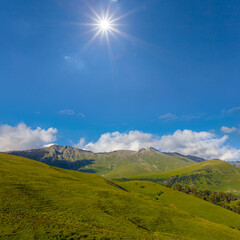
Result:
x=52 y=146
x=153 y=149
x=142 y=150
x=150 y=149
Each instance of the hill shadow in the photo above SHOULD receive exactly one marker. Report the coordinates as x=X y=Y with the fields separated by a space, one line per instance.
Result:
x=71 y=165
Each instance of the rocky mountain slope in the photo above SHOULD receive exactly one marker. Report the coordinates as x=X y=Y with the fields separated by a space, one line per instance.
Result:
x=111 y=165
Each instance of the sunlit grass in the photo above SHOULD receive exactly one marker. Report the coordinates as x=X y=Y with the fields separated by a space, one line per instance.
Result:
x=42 y=202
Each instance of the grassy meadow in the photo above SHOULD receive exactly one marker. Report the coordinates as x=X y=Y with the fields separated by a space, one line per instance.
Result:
x=38 y=201
x=188 y=203
x=214 y=175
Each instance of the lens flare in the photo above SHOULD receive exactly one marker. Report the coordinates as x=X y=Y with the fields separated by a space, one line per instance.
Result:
x=105 y=25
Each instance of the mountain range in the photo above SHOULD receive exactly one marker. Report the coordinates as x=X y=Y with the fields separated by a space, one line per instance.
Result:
x=236 y=164
x=115 y=164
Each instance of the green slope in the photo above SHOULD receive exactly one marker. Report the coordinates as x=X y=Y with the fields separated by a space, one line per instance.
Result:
x=147 y=161
x=38 y=201
x=212 y=174
x=110 y=165
x=188 y=203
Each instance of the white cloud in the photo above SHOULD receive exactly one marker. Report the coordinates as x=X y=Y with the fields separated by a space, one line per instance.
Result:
x=228 y=130
x=49 y=145
x=22 y=137
x=66 y=112
x=231 y=110
x=187 y=142
x=108 y=142
x=200 y=144
x=71 y=113
x=168 y=117
x=171 y=117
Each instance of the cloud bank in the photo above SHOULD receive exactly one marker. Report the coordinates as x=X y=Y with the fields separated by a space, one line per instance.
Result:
x=22 y=137
x=108 y=142
x=201 y=144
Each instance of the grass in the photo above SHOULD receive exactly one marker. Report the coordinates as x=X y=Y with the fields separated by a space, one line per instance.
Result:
x=38 y=201
x=212 y=174
x=188 y=203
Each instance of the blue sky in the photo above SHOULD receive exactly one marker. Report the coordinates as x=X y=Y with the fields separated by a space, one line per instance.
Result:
x=178 y=70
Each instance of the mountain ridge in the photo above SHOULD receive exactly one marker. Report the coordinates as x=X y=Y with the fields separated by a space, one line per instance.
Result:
x=121 y=163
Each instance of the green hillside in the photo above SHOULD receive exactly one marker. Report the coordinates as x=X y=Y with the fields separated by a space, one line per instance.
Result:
x=38 y=201
x=212 y=174
x=110 y=165
x=188 y=203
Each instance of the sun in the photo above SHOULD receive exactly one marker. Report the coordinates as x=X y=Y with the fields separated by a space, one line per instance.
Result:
x=105 y=25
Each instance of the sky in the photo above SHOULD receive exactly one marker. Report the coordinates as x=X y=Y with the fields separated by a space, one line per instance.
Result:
x=168 y=77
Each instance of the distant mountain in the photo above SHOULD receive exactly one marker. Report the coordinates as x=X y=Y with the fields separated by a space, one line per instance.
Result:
x=236 y=164
x=214 y=175
x=194 y=158
x=115 y=164
x=38 y=201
